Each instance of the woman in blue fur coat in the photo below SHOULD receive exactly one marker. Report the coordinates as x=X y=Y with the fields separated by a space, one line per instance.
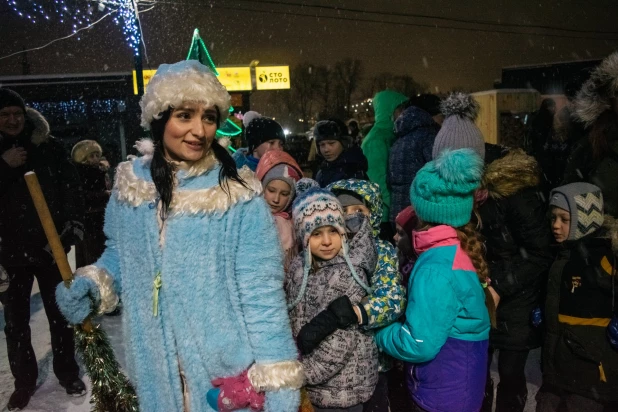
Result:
x=194 y=253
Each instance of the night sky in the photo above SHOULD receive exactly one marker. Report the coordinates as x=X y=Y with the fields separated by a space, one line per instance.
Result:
x=274 y=33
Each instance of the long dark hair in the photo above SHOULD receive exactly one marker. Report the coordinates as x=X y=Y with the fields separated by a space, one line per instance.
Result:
x=162 y=171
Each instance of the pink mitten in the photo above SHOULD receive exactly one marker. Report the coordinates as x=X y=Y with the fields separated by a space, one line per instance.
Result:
x=237 y=392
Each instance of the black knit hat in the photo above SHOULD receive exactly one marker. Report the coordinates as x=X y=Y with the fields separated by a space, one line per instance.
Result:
x=10 y=98
x=263 y=129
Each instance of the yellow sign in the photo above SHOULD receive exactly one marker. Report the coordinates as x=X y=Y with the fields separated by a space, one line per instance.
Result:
x=272 y=78
x=147 y=76
x=235 y=79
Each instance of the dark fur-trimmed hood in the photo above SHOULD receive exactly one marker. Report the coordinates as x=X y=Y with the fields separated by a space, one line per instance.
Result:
x=595 y=96
x=39 y=126
x=510 y=174
x=610 y=230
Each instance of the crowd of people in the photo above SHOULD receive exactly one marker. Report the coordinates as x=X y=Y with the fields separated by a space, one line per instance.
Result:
x=387 y=281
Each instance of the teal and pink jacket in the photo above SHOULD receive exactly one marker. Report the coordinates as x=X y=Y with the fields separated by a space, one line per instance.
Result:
x=444 y=336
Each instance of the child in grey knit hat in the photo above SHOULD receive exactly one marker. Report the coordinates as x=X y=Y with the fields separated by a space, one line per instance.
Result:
x=581 y=327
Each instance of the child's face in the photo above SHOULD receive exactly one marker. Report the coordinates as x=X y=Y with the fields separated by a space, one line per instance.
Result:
x=272 y=144
x=560 y=224
x=277 y=194
x=325 y=242
x=331 y=149
x=402 y=241
x=350 y=210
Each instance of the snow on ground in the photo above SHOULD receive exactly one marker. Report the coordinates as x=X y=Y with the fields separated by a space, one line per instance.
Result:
x=51 y=397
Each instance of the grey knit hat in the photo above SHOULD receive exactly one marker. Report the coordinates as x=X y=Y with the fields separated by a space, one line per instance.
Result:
x=458 y=129
x=584 y=201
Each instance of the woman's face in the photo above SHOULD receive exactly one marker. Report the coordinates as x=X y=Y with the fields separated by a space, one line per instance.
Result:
x=189 y=132
x=277 y=194
x=93 y=159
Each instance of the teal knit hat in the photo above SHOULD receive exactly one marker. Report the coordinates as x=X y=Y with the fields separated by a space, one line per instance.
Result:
x=443 y=190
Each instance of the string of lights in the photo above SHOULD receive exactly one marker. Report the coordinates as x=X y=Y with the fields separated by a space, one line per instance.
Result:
x=58 y=39
x=81 y=13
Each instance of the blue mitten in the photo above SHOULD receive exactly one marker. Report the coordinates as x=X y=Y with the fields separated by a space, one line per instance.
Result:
x=212 y=396
x=76 y=301
x=612 y=332
x=536 y=316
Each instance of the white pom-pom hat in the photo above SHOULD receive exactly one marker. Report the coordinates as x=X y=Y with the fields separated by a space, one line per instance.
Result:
x=185 y=81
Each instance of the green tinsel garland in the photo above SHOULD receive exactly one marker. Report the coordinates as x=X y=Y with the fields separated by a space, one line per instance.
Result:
x=111 y=390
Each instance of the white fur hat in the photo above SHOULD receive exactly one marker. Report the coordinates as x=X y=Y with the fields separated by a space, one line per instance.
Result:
x=185 y=81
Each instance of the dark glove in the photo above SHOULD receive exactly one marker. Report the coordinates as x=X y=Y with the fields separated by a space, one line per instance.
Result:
x=339 y=315
x=344 y=312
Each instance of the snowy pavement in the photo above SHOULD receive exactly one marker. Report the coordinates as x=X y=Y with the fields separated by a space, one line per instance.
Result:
x=51 y=397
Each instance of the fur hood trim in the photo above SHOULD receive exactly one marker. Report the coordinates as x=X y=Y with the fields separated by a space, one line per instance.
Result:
x=610 y=230
x=130 y=189
x=510 y=174
x=595 y=96
x=40 y=132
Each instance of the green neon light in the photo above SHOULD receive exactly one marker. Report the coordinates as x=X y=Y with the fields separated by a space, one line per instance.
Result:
x=197 y=45
x=229 y=129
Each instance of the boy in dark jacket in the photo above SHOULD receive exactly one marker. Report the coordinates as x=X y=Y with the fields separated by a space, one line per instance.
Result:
x=580 y=368
x=340 y=162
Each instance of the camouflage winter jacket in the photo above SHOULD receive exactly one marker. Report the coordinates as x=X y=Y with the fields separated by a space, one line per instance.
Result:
x=388 y=300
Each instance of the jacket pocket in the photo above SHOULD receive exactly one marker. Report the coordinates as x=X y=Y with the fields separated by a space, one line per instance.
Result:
x=577 y=359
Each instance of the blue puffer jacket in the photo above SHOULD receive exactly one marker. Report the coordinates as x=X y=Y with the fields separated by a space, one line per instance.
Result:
x=416 y=131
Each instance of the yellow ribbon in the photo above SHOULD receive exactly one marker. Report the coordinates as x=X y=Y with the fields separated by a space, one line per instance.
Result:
x=157 y=283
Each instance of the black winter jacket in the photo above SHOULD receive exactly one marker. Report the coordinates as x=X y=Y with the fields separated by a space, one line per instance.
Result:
x=351 y=164
x=577 y=356
x=23 y=239
x=517 y=238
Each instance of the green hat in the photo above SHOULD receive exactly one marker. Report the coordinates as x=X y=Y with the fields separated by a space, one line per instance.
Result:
x=443 y=190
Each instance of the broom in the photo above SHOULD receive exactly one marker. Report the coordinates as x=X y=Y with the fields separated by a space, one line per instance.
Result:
x=111 y=390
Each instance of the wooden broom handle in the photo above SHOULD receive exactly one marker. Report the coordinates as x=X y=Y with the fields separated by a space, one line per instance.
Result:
x=51 y=233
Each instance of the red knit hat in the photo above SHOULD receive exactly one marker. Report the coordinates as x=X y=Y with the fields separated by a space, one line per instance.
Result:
x=407 y=220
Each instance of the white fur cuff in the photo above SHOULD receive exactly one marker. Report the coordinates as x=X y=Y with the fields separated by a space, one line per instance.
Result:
x=274 y=376
x=105 y=283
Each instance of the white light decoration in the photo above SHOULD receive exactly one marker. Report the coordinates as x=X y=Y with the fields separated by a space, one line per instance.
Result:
x=80 y=13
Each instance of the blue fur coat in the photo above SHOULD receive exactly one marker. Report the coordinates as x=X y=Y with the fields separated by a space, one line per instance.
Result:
x=221 y=305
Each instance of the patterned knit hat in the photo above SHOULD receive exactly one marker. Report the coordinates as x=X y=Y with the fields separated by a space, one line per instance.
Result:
x=304 y=184
x=584 y=202
x=312 y=210
x=458 y=129
x=443 y=190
